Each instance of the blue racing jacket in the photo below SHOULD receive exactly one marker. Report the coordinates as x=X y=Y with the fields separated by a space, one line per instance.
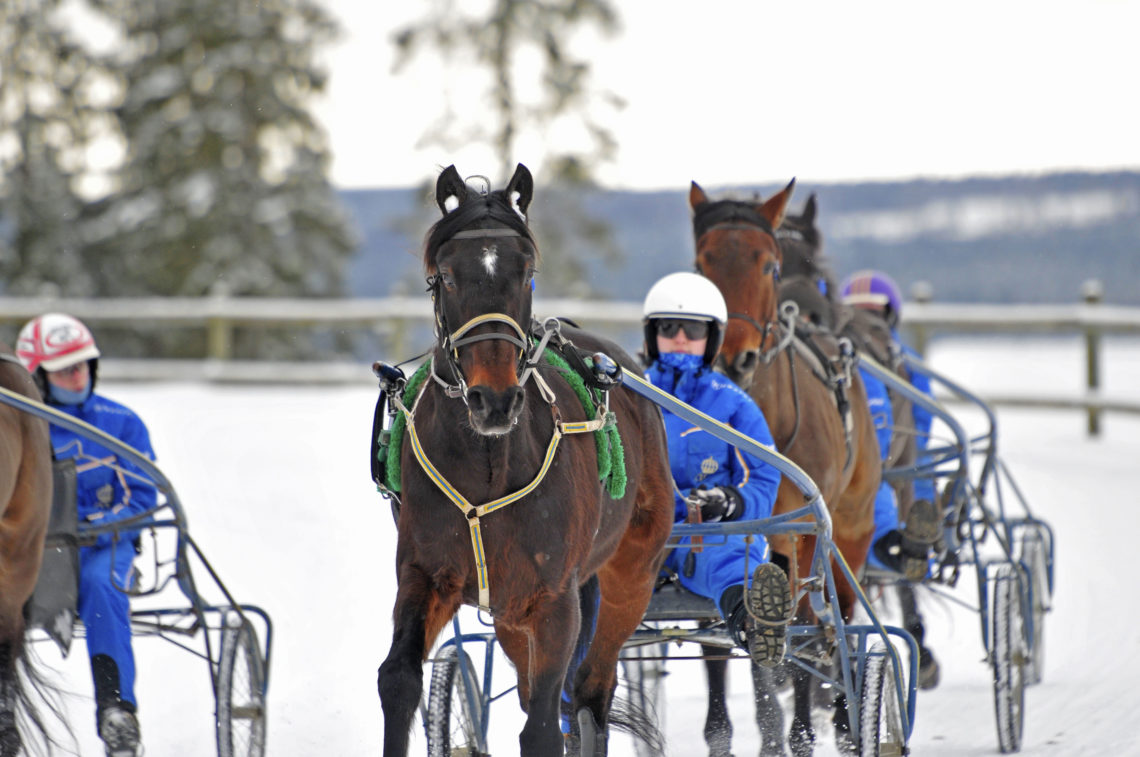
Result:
x=923 y=420
x=697 y=458
x=106 y=490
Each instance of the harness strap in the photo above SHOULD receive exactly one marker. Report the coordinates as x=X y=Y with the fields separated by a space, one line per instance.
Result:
x=474 y=513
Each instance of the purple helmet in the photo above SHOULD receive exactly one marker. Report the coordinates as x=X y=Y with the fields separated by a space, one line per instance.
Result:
x=873 y=289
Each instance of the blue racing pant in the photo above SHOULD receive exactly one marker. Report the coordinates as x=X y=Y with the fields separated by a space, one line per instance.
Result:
x=106 y=614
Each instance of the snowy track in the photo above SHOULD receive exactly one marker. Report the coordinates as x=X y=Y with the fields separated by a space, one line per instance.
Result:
x=276 y=487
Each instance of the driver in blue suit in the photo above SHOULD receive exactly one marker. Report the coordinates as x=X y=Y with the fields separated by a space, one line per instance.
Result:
x=684 y=319
x=60 y=353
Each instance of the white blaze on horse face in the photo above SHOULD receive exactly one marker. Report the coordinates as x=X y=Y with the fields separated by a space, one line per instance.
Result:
x=451 y=203
x=490 y=256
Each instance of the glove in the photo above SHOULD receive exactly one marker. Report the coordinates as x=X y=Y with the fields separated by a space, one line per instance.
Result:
x=720 y=503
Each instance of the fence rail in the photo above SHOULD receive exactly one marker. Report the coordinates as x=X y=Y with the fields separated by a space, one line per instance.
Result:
x=218 y=316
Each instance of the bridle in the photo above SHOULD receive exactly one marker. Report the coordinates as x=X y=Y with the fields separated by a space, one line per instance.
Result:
x=771 y=268
x=529 y=353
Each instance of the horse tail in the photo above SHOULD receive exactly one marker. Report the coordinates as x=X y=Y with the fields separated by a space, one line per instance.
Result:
x=629 y=715
x=25 y=690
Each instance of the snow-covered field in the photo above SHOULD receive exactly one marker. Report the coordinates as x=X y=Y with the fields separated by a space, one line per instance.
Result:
x=276 y=485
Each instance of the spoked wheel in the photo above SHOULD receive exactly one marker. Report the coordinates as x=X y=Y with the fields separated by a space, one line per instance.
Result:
x=1035 y=556
x=455 y=707
x=1010 y=655
x=241 y=690
x=644 y=680
x=881 y=732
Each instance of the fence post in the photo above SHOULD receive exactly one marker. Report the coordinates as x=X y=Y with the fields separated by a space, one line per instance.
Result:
x=219 y=335
x=1092 y=291
x=921 y=292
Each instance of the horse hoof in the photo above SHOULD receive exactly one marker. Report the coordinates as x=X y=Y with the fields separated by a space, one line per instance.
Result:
x=801 y=739
x=929 y=672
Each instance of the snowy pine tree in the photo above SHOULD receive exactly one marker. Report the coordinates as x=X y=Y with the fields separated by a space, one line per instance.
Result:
x=45 y=123
x=224 y=187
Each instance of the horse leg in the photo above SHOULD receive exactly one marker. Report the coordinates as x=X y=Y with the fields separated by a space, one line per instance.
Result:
x=801 y=736
x=627 y=583
x=10 y=742
x=929 y=671
x=718 y=728
x=541 y=653
x=418 y=616
x=769 y=712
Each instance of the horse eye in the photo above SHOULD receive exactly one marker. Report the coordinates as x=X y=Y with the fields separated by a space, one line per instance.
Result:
x=447 y=279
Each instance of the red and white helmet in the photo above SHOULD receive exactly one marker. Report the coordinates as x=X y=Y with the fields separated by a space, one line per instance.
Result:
x=55 y=341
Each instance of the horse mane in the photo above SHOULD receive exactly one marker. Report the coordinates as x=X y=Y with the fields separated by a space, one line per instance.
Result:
x=725 y=211
x=489 y=210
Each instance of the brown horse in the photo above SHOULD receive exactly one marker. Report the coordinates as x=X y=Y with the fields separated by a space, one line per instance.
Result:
x=25 y=505
x=812 y=398
x=809 y=280
x=496 y=511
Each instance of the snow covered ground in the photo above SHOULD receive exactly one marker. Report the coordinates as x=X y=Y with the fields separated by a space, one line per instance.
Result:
x=276 y=485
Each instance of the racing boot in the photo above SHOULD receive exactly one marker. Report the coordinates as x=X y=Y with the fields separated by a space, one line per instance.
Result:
x=923 y=527
x=119 y=729
x=769 y=611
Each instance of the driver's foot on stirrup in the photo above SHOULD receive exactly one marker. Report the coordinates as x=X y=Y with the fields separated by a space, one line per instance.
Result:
x=769 y=610
x=923 y=527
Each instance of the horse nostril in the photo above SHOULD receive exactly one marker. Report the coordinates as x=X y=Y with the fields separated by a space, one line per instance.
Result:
x=517 y=396
x=475 y=399
x=746 y=361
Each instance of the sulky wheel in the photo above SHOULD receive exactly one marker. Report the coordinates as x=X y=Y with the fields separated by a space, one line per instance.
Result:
x=1010 y=654
x=1035 y=556
x=455 y=707
x=241 y=690
x=881 y=732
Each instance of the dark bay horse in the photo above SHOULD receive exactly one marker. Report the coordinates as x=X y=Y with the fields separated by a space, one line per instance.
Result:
x=810 y=281
x=818 y=417
x=497 y=509
x=25 y=506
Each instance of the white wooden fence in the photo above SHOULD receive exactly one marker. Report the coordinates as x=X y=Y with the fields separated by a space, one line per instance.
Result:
x=394 y=316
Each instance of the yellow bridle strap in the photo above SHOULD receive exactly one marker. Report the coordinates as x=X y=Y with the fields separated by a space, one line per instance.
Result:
x=474 y=512
x=489 y=318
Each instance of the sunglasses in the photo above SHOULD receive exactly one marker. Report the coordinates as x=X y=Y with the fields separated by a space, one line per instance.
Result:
x=668 y=328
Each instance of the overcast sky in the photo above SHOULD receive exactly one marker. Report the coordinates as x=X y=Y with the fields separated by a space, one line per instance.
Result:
x=744 y=92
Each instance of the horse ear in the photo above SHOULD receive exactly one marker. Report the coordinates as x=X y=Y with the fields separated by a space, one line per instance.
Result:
x=520 y=190
x=450 y=190
x=697 y=196
x=809 y=210
x=776 y=205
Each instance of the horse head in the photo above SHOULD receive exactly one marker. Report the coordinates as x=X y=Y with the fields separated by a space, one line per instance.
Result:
x=480 y=262
x=808 y=277
x=737 y=250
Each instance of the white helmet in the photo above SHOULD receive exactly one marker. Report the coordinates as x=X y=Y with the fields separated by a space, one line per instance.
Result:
x=53 y=342
x=689 y=296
